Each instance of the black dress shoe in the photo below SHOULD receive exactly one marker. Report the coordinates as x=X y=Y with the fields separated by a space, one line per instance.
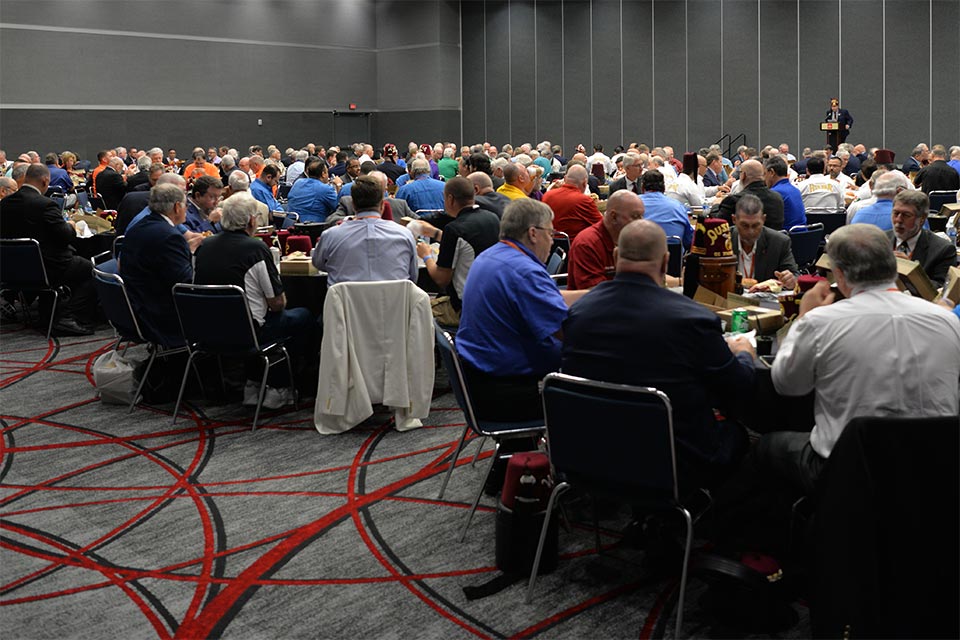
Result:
x=70 y=327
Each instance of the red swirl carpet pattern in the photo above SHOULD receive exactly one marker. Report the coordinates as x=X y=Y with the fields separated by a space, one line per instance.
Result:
x=117 y=525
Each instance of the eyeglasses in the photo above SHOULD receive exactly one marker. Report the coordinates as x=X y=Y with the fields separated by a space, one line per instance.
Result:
x=550 y=229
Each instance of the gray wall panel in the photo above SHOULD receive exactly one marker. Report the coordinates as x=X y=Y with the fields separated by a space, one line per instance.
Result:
x=421 y=126
x=549 y=37
x=448 y=22
x=401 y=24
x=498 y=73
x=778 y=73
x=740 y=80
x=607 y=85
x=670 y=75
x=908 y=76
x=819 y=67
x=946 y=66
x=861 y=73
x=337 y=23
x=437 y=83
x=474 y=80
x=576 y=74
x=523 y=108
x=704 y=42
x=637 y=72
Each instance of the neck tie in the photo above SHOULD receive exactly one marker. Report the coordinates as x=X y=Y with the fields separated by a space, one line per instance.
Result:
x=904 y=248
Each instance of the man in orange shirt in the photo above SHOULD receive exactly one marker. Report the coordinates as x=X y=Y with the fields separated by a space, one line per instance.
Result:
x=200 y=167
x=103 y=157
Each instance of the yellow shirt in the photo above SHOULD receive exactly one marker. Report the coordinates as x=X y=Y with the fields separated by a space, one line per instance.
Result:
x=511 y=191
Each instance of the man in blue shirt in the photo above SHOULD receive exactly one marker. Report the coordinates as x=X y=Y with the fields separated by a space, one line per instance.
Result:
x=885 y=188
x=312 y=197
x=511 y=317
x=262 y=187
x=58 y=176
x=775 y=175
x=422 y=191
x=666 y=212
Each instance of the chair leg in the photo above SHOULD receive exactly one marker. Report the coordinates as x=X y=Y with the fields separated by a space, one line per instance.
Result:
x=453 y=462
x=554 y=497
x=263 y=389
x=596 y=522
x=223 y=384
x=26 y=311
x=143 y=379
x=53 y=313
x=480 y=442
x=293 y=385
x=683 y=571
x=476 y=500
x=183 y=385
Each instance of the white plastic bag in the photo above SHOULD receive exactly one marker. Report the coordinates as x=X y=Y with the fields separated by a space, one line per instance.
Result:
x=113 y=375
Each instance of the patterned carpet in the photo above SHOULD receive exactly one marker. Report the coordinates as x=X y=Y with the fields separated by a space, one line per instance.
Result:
x=117 y=525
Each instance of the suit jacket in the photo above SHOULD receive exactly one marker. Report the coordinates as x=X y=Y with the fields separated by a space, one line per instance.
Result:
x=711 y=179
x=773 y=253
x=137 y=180
x=934 y=254
x=28 y=214
x=686 y=358
x=843 y=118
x=493 y=201
x=909 y=165
x=398 y=209
x=132 y=204
x=621 y=183
x=937 y=176
x=111 y=187
x=155 y=257
x=772 y=204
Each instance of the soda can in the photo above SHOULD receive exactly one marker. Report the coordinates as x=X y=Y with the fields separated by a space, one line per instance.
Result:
x=739 y=322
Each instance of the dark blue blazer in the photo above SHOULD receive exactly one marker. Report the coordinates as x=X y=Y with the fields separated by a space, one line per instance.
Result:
x=155 y=257
x=711 y=179
x=629 y=330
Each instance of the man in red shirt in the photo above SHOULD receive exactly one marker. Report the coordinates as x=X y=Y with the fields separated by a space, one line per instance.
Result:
x=573 y=210
x=591 y=253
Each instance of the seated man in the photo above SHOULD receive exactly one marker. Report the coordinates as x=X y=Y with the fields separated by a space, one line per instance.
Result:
x=911 y=241
x=203 y=216
x=313 y=198
x=262 y=187
x=367 y=247
x=775 y=177
x=752 y=181
x=239 y=182
x=236 y=257
x=591 y=252
x=666 y=212
x=762 y=254
x=484 y=195
x=885 y=187
x=156 y=257
x=516 y=182
x=136 y=200
x=818 y=190
x=110 y=183
x=393 y=208
x=28 y=213
x=685 y=354
x=472 y=231
x=421 y=191
x=878 y=352
x=573 y=211
x=511 y=317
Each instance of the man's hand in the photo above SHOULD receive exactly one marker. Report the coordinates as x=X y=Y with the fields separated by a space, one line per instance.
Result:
x=946 y=303
x=786 y=278
x=216 y=215
x=429 y=230
x=819 y=296
x=901 y=254
x=336 y=182
x=740 y=344
x=193 y=240
x=423 y=250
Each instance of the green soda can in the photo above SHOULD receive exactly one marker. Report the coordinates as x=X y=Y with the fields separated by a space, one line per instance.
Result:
x=739 y=322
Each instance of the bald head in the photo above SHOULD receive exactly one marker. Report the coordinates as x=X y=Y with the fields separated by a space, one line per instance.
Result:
x=623 y=207
x=577 y=176
x=175 y=179
x=7 y=186
x=642 y=248
x=481 y=182
x=750 y=171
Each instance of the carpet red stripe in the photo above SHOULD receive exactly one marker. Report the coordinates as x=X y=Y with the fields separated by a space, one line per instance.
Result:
x=575 y=609
x=654 y=616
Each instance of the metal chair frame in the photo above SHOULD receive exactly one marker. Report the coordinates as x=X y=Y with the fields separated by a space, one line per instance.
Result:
x=803 y=233
x=627 y=398
x=498 y=431
x=39 y=284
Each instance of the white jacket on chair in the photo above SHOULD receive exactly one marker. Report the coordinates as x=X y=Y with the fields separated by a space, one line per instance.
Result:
x=377 y=348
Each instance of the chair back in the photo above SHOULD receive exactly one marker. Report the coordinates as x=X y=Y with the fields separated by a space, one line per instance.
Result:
x=675 y=249
x=284 y=190
x=805 y=242
x=612 y=438
x=831 y=219
x=561 y=240
x=116 y=305
x=117 y=246
x=215 y=317
x=21 y=264
x=940 y=198
x=556 y=261
x=451 y=363
x=60 y=198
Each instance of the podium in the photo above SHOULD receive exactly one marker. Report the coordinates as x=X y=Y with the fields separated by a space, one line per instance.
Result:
x=833 y=133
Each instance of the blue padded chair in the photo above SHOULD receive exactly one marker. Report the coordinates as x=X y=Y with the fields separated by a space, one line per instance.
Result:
x=22 y=271
x=831 y=219
x=557 y=261
x=805 y=242
x=940 y=198
x=588 y=422
x=675 y=248
x=499 y=431
x=216 y=320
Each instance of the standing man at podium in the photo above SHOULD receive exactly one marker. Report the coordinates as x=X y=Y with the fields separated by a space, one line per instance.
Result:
x=841 y=117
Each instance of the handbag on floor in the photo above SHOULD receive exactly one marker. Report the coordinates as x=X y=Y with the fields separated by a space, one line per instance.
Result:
x=114 y=379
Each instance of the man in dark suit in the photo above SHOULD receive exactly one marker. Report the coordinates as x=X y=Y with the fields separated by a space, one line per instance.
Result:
x=683 y=354
x=938 y=175
x=632 y=168
x=843 y=118
x=155 y=257
x=762 y=254
x=714 y=166
x=917 y=159
x=110 y=184
x=751 y=181
x=912 y=242
x=27 y=213
x=484 y=195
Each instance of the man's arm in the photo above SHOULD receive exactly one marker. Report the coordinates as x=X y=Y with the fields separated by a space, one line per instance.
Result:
x=277 y=303
x=942 y=257
x=440 y=275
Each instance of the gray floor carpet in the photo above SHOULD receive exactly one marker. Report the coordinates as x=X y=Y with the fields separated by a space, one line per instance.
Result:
x=117 y=525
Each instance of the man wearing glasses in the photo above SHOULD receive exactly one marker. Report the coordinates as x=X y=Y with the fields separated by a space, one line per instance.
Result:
x=911 y=241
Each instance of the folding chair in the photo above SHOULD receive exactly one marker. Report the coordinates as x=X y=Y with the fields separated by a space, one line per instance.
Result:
x=675 y=248
x=599 y=459
x=284 y=220
x=805 y=242
x=215 y=319
x=940 y=198
x=497 y=430
x=831 y=219
x=22 y=270
x=557 y=262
